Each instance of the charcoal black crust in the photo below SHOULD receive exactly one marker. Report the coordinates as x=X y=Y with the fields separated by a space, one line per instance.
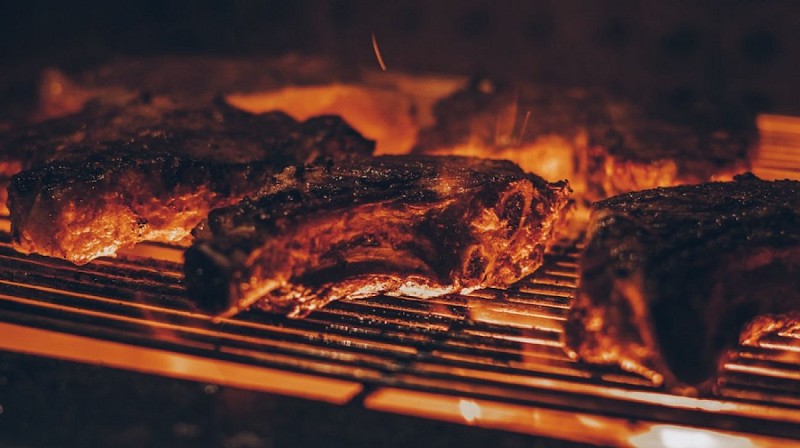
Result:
x=676 y=273
x=368 y=226
x=155 y=163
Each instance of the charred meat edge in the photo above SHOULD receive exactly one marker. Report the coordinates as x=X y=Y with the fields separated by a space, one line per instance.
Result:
x=159 y=181
x=670 y=277
x=416 y=225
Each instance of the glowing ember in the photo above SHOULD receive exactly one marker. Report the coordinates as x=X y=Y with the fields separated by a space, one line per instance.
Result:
x=378 y=52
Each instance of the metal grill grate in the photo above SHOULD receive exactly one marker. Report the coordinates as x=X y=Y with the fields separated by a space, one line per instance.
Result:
x=492 y=358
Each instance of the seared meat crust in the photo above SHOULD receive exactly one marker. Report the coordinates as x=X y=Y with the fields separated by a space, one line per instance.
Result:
x=603 y=143
x=639 y=147
x=670 y=277
x=417 y=225
x=27 y=146
x=154 y=173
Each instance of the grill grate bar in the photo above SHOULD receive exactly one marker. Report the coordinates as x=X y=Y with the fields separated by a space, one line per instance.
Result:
x=501 y=344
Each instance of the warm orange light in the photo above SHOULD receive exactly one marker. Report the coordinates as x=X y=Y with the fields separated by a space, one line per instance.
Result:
x=383 y=115
x=778 y=124
x=551 y=157
x=424 y=90
x=159 y=252
x=669 y=436
x=510 y=314
x=596 y=429
x=142 y=359
x=470 y=410
x=778 y=154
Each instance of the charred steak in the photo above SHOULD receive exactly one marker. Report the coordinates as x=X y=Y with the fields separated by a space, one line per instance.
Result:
x=26 y=146
x=605 y=144
x=152 y=173
x=642 y=146
x=543 y=129
x=191 y=79
x=416 y=225
x=671 y=276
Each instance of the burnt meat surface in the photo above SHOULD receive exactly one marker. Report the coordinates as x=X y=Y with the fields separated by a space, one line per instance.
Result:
x=192 y=79
x=152 y=171
x=605 y=144
x=670 y=276
x=541 y=128
x=26 y=146
x=640 y=146
x=417 y=225
x=493 y=113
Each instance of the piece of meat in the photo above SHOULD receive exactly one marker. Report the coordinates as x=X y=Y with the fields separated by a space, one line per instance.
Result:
x=82 y=106
x=669 y=277
x=24 y=147
x=415 y=225
x=643 y=146
x=138 y=173
x=193 y=80
x=541 y=128
x=605 y=144
x=94 y=95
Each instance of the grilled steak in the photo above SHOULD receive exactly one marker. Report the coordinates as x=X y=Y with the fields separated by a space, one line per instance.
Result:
x=28 y=146
x=543 y=130
x=91 y=100
x=603 y=143
x=116 y=176
x=415 y=225
x=670 y=277
x=382 y=108
x=191 y=79
x=646 y=146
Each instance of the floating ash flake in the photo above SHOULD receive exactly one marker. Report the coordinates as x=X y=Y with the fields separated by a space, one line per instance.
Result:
x=378 y=52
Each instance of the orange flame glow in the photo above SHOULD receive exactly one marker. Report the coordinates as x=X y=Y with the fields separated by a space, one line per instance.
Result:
x=379 y=114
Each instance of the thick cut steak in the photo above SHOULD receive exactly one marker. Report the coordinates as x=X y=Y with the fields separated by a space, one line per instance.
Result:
x=416 y=225
x=544 y=129
x=642 y=146
x=670 y=277
x=190 y=79
x=26 y=146
x=149 y=171
x=605 y=144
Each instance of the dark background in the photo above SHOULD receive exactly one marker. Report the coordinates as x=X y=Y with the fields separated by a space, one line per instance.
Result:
x=740 y=51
